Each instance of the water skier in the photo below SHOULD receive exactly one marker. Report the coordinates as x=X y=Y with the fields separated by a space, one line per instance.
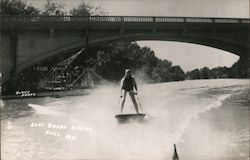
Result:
x=128 y=85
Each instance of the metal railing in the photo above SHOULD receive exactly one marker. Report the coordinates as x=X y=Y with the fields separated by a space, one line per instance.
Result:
x=124 y=19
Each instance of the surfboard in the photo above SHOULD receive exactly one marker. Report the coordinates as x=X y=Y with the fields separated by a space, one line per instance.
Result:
x=129 y=117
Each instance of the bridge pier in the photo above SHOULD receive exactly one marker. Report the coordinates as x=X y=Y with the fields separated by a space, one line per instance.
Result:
x=9 y=54
x=248 y=65
x=244 y=65
x=13 y=52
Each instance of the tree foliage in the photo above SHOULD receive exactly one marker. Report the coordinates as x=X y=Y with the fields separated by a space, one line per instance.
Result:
x=86 y=10
x=17 y=7
x=218 y=72
x=52 y=8
x=111 y=61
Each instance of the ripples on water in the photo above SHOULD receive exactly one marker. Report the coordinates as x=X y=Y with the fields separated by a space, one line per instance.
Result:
x=207 y=119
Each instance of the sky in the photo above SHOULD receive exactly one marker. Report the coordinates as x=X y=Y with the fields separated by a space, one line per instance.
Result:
x=182 y=54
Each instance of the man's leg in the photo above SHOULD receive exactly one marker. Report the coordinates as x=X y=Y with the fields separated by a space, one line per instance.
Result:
x=123 y=98
x=132 y=95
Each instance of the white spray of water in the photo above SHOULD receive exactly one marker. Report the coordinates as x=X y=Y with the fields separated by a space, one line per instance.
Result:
x=40 y=109
x=169 y=110
x=196 y=113
x=152 y=139
x=1 y=103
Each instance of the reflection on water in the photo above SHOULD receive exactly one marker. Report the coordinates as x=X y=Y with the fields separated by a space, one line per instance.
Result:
x=207 y=119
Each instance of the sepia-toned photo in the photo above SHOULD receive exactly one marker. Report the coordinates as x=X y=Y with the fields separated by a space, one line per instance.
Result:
x=125 y=79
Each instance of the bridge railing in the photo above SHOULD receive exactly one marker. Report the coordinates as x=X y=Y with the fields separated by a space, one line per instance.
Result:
x=138 y=19
x=169 y=19
x=203 y=20
x=227 y=21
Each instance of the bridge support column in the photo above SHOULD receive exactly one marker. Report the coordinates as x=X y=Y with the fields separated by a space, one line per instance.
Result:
x=245 y=66
x=248 y=65
x=13 y=53
x=8 y=60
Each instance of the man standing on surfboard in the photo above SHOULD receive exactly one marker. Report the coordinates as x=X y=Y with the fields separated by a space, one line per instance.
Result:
x=128 y=85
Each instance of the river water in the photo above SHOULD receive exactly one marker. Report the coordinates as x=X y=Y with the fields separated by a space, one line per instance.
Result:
x=206 y=119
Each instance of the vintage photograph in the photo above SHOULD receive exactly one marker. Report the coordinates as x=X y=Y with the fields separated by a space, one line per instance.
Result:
x=125 y=79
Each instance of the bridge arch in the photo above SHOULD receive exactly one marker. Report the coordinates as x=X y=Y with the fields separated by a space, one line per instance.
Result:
x=229 y=46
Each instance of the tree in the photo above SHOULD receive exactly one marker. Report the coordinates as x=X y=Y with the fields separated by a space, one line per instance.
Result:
x=113 y=58
x=205 y=73
x=219 y=72
x=17 y=7
x=177 y=74
x=194 y=74
x=234 y=71
x=52 y=8
x=86 y=10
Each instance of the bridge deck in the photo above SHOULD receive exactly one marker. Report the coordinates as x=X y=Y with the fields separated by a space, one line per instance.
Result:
x=43 y=22
x=7 y=18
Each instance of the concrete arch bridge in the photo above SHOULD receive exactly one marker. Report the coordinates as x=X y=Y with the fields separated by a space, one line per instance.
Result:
x=27 y=40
